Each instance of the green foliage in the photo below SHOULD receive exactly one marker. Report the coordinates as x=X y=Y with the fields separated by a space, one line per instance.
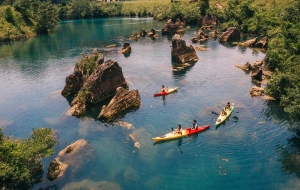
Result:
x=42 y=14
x=284 y=55
x=83 y=96
x=88 y=64
x=24 y=7
x=9 y=15
x=46 y=17
x=20 y=160
x=203 y=6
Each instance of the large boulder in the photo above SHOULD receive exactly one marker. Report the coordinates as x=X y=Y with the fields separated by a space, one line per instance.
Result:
x=73 y=83
x=263 y=42
x=104 y=81
x=256 y=91
x=171 y=28
x=250 y=43
x=123 y=100
x=126 y=48
x=182 y=53
x=230 y=35
x=100 y=85
x=257 y=73
x=82 y=70
x=56 y=169
x=73 y=157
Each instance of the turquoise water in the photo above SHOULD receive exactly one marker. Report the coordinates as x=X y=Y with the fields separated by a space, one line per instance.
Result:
x=251 y=152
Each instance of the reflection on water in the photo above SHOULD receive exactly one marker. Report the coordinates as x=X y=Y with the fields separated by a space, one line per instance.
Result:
x=258 y=139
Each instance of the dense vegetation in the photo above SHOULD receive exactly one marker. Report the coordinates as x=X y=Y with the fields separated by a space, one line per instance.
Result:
x=20 y=160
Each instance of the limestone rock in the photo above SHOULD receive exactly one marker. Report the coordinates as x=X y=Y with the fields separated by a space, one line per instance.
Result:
x=249 y=43
x=143 y=32
x=257 y=73
x=82 y=70
x=73 y=83
x=171 y=28
x=262 y=42
x=256 y=91
x=266 y=97
x=104 y=81
x=214 y=34
x=74 y=156
x=123 y=100
x=56 y=169
x=126 y=48
x=246 y=67
x=182 y=53
x=230 y=35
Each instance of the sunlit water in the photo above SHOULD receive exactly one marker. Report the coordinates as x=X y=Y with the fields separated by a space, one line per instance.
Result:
x=240 y=154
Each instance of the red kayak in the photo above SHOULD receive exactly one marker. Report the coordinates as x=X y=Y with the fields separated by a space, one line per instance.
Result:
x=198 y=130
x=168 y=91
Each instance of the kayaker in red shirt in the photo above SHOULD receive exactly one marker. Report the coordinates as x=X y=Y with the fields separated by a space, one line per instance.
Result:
x=163 y=89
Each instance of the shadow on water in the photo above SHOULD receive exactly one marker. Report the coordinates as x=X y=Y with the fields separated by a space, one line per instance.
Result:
x=181 y=69
x=290 y=155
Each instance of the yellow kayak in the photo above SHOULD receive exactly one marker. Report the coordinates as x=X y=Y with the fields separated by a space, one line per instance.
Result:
x=222 y=118
x=171 y=136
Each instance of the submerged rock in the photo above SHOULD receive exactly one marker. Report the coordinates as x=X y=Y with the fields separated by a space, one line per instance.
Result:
x=92 y=185
x=74 y=156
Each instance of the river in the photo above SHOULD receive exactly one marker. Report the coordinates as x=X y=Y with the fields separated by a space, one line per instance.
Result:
x=253 y=150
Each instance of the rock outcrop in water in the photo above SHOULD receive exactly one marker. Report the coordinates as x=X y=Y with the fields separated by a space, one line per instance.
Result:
x=230 y=35
x=73 y=157
x=124 y=99
x=181 y=52
x=100 y=85
x=126 y=48
x=82 y=69
x=171 y=28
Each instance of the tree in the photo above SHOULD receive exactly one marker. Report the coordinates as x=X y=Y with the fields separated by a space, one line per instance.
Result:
x=20 y=160
x=204 y=6
x=46 y=17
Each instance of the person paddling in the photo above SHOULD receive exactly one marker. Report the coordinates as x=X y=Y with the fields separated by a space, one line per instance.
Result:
x=163 y=89
x=195 y=126
x=179 y=130
x=228 y=106
x=223 y=112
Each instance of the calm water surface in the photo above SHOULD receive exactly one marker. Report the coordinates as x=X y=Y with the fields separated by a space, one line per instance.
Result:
x=249 y=153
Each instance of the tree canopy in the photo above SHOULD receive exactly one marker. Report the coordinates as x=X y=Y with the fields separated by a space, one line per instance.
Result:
x=20 y=160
